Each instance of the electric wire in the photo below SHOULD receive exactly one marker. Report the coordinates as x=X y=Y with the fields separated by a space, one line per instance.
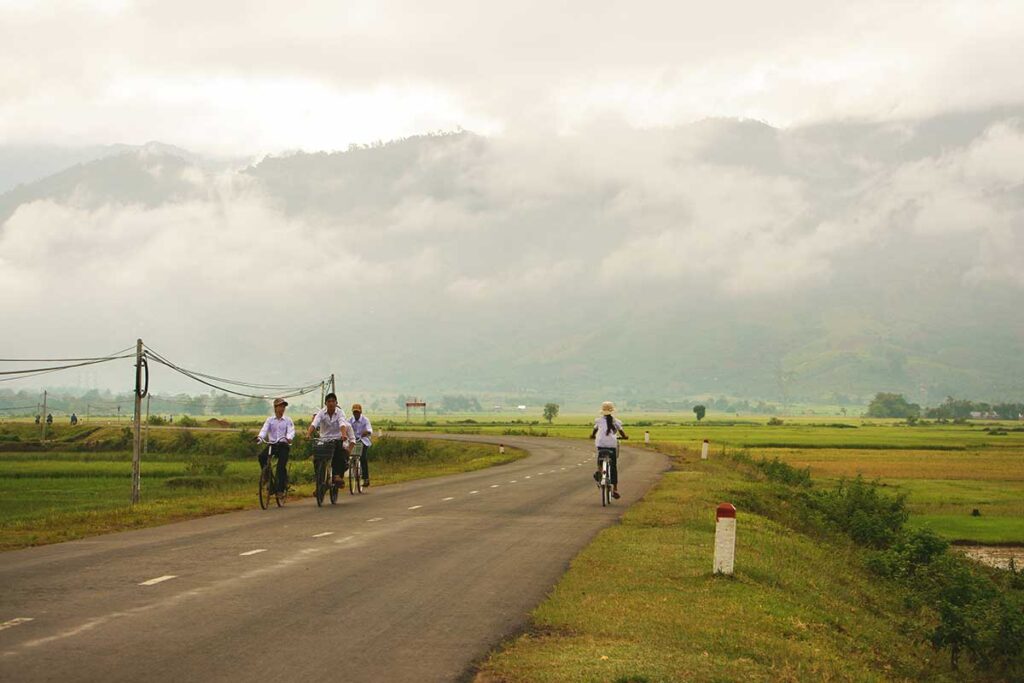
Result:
x=284 y=391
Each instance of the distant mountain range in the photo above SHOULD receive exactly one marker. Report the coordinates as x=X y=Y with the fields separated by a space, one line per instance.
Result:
x=724 y=258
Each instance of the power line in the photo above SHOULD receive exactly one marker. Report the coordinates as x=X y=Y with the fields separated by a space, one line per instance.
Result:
x=9 y=375
x=65 y=360
x=213 y=378
x=286 y=392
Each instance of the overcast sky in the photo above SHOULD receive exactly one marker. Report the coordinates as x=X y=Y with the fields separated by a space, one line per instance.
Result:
x=586 y=182
x=238 y=77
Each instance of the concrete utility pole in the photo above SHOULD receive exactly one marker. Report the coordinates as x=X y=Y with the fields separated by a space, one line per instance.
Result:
x=42 y=419
x=333 y=388
x=137 y=437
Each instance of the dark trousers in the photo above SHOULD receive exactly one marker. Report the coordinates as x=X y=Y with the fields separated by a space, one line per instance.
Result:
x=363 y=462
x=613 y=463
x=281 y=450
x=339 y=463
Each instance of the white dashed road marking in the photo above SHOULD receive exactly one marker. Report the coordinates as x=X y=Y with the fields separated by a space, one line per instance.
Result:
x=448 y=498
x=159 y=579
x=375 y=519
x=513 y=481
x=14 y=622
x=321 y=535
x=415 y=507
x=494 y=486
x=253 y=552
x=473 y=493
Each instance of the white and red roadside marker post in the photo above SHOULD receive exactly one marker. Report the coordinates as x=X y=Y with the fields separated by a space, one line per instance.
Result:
x=725 y=538
x=647 y=437
x=704 y=450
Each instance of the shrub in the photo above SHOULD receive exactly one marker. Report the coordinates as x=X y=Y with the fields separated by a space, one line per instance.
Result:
x=909 y=554
x=390 y=448
x=206 y=465
x=156 y=420
x=186 y=421
x=184 y=442
x=776 y=422
x=860 y=510
x=191 y=482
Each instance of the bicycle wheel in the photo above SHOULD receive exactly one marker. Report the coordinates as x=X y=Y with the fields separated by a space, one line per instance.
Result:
x=266 y=481
x=321 y=486
x=359 y=475
x=334 y=494
x=351 y=478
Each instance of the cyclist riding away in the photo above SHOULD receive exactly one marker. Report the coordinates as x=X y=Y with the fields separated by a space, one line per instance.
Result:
x=362 y=429
x=330 y=420
x=607 y=430
x=278 y=431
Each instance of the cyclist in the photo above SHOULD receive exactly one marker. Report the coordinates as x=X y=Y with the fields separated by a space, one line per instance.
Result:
x=331 y=422
x=363 y=431
x=607 y=430
x=278 y=431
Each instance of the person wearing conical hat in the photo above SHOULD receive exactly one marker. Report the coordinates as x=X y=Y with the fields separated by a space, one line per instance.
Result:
x=607 y=430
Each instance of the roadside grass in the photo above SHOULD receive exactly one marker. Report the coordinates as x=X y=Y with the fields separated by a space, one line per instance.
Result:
x=641 y=604
x=48 y=501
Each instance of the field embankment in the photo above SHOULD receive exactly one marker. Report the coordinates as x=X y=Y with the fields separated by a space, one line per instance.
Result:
x=807 y=602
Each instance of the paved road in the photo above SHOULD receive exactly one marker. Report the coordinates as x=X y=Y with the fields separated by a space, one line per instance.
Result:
x=412 y=582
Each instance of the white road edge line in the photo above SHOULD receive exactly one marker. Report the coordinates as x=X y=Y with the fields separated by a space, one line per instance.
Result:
x=415 y=507
x=322 y=534
x=17 y=621
x=159 y=579
x=252 y=552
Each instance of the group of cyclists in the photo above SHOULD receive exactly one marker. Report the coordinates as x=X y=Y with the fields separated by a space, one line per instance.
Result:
x=333 y=427
x=279 y=431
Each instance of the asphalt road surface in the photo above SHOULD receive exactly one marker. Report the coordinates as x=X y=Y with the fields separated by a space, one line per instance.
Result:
x=411 y=582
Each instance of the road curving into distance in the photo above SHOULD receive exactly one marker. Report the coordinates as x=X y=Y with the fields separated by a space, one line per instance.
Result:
x=409 y=582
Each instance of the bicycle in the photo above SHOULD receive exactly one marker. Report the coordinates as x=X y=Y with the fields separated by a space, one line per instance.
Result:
x=355 y=469
x=323 y=453
x=604 y=482
x=268 y=481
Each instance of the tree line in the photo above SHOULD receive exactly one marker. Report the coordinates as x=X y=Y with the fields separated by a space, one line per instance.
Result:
x=896 y=405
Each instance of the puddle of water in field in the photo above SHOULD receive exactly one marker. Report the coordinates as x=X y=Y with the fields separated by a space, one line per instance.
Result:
x=994 y=556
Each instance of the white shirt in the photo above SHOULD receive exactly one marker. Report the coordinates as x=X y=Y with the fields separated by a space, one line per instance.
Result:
x=360 y=426
x=277 y=429
x=605 y=440
x=333 y=426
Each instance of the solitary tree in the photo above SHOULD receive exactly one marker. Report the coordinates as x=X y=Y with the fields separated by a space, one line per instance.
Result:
x=550 y=411
x=892 y=405
x=699 y=410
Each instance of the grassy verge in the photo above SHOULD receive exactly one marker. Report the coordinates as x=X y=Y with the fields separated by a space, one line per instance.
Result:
x=641 y=604
x=61 y=498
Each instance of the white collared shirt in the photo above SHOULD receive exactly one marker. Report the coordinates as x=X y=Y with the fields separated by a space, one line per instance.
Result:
x=331 y=426
x=277 y=429
x=361 y=425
